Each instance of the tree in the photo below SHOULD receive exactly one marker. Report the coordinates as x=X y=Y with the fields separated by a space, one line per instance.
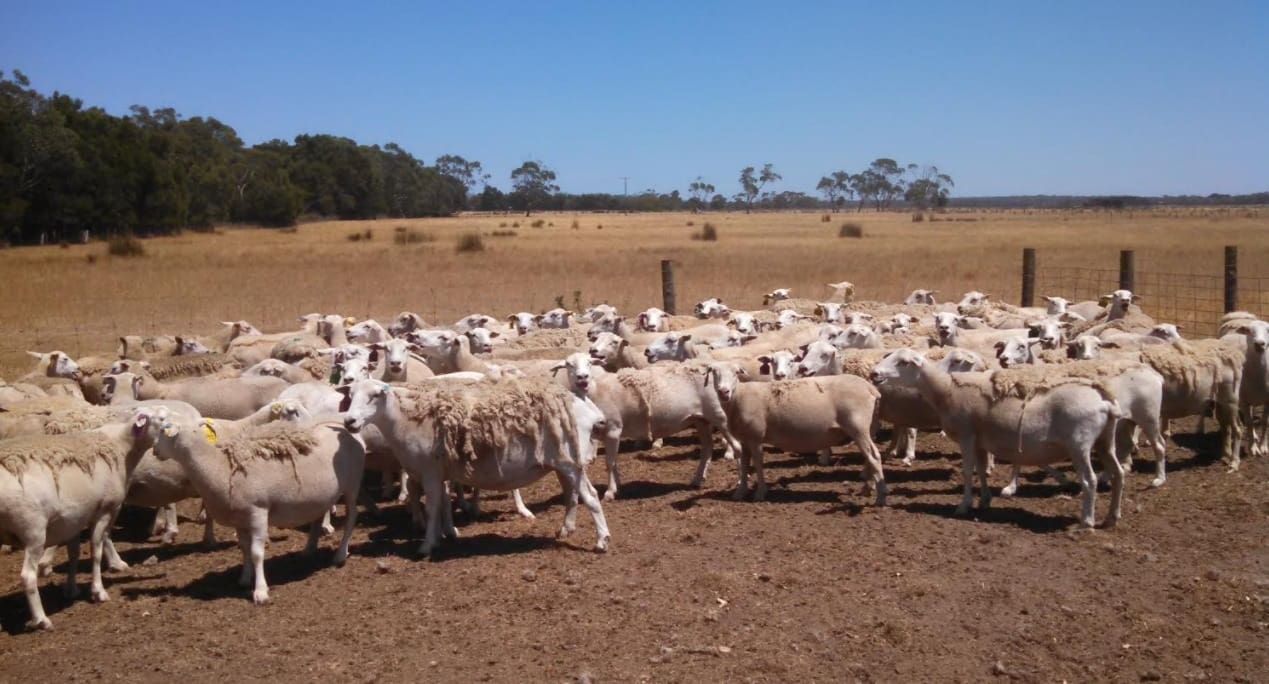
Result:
x=469 y=173
x=751 y=186
x=887 y=177
x=928 y=187
x=700 y=190
x=532 y=186
x=835 y=187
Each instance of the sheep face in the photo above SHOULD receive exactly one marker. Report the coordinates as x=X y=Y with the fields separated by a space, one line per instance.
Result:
x=671 y=346
x=829 y=312
x=404 y=323
x=606 y=348
x=1015 y=352
x=901 y=367
x=1050 y=333
x=594 y=313
x=272 y=368
x=481 y=340
x=817 y=359
x=289 y=410
x=1167 y=332
x=945 y=326
x=711 y=308
x=396 y=354
x=788 y=317
x=578 y=367
x=921 y=297
x=973 y=298
x=650 y=320
x=726 y=377
x=1117 y=302
x=361 y=331
x=120 y=385
x=778 y=365
x=777 y=295
x=743 y=323
x=857 y=336
x=188 y=347
x=130 y=366
x=1056 y=306
x=1084 y=347
x=1257 y=333
x=898 y=323
x=962 y=361
x=555 y=319
x=354 y=369
x=522 y=322
x=362 y=402
x=59 y=364
x=607 y=323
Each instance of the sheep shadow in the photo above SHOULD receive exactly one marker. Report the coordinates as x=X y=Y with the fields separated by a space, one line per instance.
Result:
x=14 y=612
x=1017 y=517
x=494 y=545
x=215 y=585
x=641 y=489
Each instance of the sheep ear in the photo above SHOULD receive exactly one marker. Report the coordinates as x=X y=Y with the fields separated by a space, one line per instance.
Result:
x=999 y=346
x=684 y=338
x=36 y=355
x=1137 y=298
x=1103 y=300
x=108 y=382
x=493 y=333
x=624 y=344
x=558 y=367
x=1110 y=345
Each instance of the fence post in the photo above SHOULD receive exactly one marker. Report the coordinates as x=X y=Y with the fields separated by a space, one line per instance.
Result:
x=667 y=286
x=1231 y=278
x=1028 y=276
x=1127 y=269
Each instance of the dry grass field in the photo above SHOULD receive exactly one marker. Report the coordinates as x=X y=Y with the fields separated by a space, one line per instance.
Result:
x=78 y=299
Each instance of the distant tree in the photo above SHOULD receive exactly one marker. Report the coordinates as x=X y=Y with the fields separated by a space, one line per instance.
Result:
x=490 y=199
x=718 y=203
x=700 y=190
x=752 y=185
x=533 y=185
x=889 y=178
x=927 y=187
x=469 y=173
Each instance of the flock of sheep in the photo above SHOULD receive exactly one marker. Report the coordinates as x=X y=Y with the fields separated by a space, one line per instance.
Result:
x=274 y=429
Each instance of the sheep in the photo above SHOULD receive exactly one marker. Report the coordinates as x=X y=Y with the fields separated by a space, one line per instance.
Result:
x=1196 y=374
x=778 y=365
x=898 y=324
x=18 y=393
x=474 y=321
x=921 y=297
x=830 y=312
x=777 y=295
x=796 y=415
x=598 y=311
x=405 y=322
x=948 y=328
x=1253 y=336
x=711 y=308
x=614 y=353
x=178 y=367
x=446 y=351
x=1063 y=421
x=842 y=290
x=141 y=348
x=52 y=372
x=656 y=320
x=368 y=332
x=296 y=347
x=618 y=326
x=53 y=487
x=1233 y=320
x=503 y=435
x=857 y=336
x=278 y=369
x=216 y=398
x=555 y=319
x=398 y=364
x=522 y=322
x=281 y=474
x=651 y=404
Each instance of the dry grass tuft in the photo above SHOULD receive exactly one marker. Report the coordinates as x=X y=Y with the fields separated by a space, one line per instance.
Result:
x=125 y=246
x=402 y=235
x=472 y=242
x=850 y=230
x=707 y=233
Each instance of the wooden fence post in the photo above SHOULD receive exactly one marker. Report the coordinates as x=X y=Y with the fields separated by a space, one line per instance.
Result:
x=1028 y=276
x=1127 y=270
x=1231 y=278
x=667 y=286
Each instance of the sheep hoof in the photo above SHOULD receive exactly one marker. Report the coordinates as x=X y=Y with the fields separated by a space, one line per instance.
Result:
x=44 y=625
x=260 y=597
x=100 y=596
x=118 y=566
x=695 y=483
x=340 y=558
x=907 y=461
x=1009 y=491
x=1158 y=482
x=1110 y=521
x=563 y=533
x=601 y=546
x=328 y=530
x=169 y=538
x=611 y=494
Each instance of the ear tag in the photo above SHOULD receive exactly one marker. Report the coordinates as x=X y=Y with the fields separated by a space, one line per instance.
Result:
x=209 y=433
x=170 y=430
x=276 y=409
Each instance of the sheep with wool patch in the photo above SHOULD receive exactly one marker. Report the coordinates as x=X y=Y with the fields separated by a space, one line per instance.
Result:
x=146 y=347
x=1252 y=336
x=54 y=487
x=798 y=305
x=503 y=435
x=274 y=368
x=296 y=347
x=398 y=364
x=656 y=320
x=12 y=394
x=405 y=322
x=614 y=353
x=1196 y=374
x=983 y=412
x=808 y=414
x=281 y=475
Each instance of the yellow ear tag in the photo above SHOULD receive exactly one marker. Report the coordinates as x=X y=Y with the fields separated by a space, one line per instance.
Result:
x=169 y=430
x=209 y=433
x=276 y=409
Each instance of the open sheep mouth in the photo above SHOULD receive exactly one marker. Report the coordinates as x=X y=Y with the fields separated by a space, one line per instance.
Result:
x=583 y=384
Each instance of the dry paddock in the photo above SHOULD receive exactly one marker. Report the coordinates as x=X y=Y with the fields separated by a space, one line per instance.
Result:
x=814 y=584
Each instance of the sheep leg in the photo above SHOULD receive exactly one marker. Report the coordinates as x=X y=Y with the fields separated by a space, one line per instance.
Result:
x=612 y=442
x=324 y=525
x=30 y=573
x=414 y=492
x=46 y=561
x=520 y=507
x=984 y=488
x=742 y=486
x=706 y=435
x=759 y=474
x=1011 y=488
x=405 y=487
x=350 y=523
x=448 y=530
x=1088 y=487
x=1116 y=470
x=314 y=533
x=435 y=499
x=590 y=498
x=826 y=457
x=969 y=459
x=364 y=498
x=113 y=561
x=244 y=544
x=209 y=532
x=100 y=527
x=259 y=533
x=872 y=457
x=569 y=483
x=71 y=588
x=1231 y=430
x=165 y=524
x=909 y=446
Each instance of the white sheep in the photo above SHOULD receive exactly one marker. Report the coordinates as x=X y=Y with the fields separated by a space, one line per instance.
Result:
x=1253 y=335
x=280 y=475
x=777 y=295
x=1051 y=424
x=368 y=332
x=614 y=353
x=843 y=290
x=796 y=415
x=216 y=398
x=711 y=308
x=921 y=297
x=405 y=322
x=53 y=487
x=502 y=435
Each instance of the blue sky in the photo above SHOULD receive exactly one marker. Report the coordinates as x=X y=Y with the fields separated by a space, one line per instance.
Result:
x=1151 y=97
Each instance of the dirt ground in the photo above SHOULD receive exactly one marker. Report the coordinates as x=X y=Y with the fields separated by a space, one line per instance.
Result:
x=814 y=584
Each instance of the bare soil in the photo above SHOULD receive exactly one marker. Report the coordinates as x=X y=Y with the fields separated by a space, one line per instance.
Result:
x=814 y=584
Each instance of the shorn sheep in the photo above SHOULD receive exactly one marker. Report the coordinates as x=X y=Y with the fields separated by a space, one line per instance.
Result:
x=281 y=474
x=54 y=487
x=1066 y=421
x=500 y=436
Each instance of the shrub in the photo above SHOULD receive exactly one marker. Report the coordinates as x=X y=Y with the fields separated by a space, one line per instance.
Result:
x=825 y=218
x=404 y=236
x=125 y=246
x=515 y=224
x=504 y=233
x=707 y=233
x=366 y=234
x=502 y=225
x=599 y=227
x=550 y=225
x=91 y=258
x=538 y=223
x=576 y=225
x=918 y=216
x=470 y=242
x=850 y=230
x=691 y=223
